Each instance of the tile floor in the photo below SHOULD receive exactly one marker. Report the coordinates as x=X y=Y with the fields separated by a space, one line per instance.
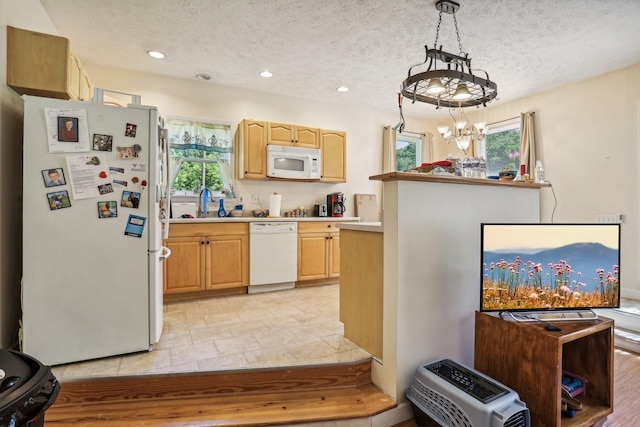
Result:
x=284 y=328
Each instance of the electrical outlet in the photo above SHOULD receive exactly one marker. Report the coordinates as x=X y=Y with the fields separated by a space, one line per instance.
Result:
x=241 y=199
x=255 y=198
x=610 y=219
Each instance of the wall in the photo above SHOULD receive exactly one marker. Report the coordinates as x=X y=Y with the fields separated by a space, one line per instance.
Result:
x=30 y=15
x=203 y=99
x=587 y=138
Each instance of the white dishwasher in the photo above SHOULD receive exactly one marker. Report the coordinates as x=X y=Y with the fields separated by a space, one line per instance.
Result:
x=273 y=256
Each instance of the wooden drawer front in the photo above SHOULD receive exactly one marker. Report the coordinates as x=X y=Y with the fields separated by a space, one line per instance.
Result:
x=208 y=229
x=317 y=227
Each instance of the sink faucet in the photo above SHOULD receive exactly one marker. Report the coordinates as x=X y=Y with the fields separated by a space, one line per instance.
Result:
x=203 y=202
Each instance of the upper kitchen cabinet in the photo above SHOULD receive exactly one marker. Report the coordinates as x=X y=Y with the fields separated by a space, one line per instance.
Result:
x=333 y=147
x=43 y=65
x=251 y=140
x=299 y=136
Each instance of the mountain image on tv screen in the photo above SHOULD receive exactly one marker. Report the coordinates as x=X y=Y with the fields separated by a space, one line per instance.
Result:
x=550 y=266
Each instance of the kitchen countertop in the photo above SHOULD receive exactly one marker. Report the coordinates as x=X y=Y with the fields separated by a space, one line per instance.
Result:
x=263 y=219
x=448 y=179
x=375 y=227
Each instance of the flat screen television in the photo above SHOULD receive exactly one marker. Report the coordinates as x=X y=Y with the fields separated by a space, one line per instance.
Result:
x=545 y=267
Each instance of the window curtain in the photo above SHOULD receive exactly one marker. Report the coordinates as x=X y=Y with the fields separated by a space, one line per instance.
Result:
x=227 y=179
x=199 y=135
x=426 y=142
x=527 y=141
x=174 y=168
x=388 y=150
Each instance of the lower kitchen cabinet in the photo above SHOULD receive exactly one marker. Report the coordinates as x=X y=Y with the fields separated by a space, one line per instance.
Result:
x=184 y=269
x=206 y=257
x=318 y=251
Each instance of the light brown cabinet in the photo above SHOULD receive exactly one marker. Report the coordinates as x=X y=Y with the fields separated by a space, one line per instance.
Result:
x=318 y=251
x=529 y=359
x=206 y=257
x=43 y=65
x=361 y=288
x=251 y=149
x=253 y=136
x=333 y=146
x=287 y=134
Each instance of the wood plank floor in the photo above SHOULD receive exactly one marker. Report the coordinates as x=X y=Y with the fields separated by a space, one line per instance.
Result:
x=263 y=397
x=275 y=396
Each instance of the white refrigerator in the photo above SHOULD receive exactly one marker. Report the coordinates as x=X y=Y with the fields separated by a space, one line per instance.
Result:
x=94 y=217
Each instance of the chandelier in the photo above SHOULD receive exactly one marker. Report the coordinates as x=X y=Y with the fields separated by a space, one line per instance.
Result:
x=448 y=80
x=462 y=134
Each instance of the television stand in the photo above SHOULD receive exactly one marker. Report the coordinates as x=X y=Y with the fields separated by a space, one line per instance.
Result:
x=529 y=359
x=549 y=316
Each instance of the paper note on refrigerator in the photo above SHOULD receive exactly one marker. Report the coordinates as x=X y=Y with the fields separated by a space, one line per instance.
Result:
x=89 y=175
x=67 y=130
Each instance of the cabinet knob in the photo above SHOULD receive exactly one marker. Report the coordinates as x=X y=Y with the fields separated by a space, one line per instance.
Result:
x=202 y=242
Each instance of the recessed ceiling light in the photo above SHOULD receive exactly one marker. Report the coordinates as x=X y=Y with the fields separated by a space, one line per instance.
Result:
x=156 y=54
x=266 y=73
x=203 y=76
x=343 y=89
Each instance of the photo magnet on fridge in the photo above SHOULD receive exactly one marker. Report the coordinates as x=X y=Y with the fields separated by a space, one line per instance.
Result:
x=130 y=131
x=53 y=177
x=108 y=209
x=68 y=129
x=135 y=226
x=59 y=200
x=102 y=142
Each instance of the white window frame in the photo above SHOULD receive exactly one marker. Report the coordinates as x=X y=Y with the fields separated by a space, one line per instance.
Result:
x=503 y=126
x=191 y=194
x=416 y=139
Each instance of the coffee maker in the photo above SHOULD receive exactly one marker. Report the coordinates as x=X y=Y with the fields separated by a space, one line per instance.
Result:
x=335 y=204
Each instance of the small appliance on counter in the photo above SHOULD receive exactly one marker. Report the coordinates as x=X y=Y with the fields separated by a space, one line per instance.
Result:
x=319 y=210
x=335 y=204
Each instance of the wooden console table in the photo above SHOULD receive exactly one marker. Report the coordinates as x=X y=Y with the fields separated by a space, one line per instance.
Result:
x=529 y=359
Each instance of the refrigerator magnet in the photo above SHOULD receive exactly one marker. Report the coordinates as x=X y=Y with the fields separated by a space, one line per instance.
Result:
x=105 y=189
x=58 y=200
x=53 y=177
x=130 y=199
x=125 y=153
x=68 y=129
x=130 y=130
x=102 y=142
x=108 y=209
x=135 y=226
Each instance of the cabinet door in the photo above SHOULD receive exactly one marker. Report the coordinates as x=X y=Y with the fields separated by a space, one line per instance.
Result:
x=75 y=73
x=38 y=63
x=334 y=255
x=281 y=134
x=86 y=87
x=254 y=149
x=307 y=137
x=226 y=262
x=333 y=145
x=184 y=269
x=312 y=256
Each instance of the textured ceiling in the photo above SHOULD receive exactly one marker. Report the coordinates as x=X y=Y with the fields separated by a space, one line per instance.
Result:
x=314 y=46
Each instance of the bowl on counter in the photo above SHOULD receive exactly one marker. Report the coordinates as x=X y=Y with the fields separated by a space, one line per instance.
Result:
x=507 y=175
x=236 y=212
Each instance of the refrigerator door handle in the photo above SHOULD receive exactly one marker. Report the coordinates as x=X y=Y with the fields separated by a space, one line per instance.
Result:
x=166 y=253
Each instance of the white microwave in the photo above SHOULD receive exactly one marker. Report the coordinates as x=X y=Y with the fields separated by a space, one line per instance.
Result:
x=293 y=162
